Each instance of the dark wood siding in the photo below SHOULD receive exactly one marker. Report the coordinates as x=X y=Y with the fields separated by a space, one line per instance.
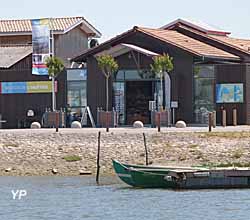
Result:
x=69 y=44
x=13 y=107
x=96 y=89
x=233 y=74
x=247 y=94
x=19 y=39
x=182 y=78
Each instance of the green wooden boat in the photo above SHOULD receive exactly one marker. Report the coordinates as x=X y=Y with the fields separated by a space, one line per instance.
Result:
x=193 y=179
x=123 y=170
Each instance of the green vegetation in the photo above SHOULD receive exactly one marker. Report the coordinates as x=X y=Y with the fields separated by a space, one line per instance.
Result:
x=108 y=66
x=72 y=158
x=55 y=67
x=162 y=64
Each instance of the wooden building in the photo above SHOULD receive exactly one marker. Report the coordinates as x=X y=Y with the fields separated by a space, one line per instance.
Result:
x=211 y=72
x=30 y=92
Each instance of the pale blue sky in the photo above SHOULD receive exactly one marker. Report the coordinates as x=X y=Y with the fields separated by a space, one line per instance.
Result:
x=112 y=17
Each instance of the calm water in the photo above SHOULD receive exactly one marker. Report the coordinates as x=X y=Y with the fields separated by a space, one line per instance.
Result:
x=73 y=198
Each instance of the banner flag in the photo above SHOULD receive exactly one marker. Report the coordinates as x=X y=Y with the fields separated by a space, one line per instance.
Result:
x=41 y=45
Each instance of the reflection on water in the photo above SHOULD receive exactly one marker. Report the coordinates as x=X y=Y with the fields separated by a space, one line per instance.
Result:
x=80 y=198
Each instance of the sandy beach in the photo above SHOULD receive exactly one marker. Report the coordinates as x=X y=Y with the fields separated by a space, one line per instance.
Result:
x=28 y=152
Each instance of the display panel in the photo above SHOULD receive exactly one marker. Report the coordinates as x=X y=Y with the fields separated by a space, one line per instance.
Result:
x=229 y=93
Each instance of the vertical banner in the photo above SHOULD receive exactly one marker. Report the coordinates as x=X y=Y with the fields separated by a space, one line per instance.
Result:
x=41 y=45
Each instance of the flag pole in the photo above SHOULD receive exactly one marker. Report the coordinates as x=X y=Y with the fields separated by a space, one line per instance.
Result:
x=52 y=53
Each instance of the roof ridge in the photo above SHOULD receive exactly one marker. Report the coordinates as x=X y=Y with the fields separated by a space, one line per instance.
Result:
x=29 y=19
x=217 y=40
x=229 y=37
x=60 y=24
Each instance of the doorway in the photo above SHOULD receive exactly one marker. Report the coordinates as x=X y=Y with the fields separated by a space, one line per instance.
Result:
x=138 y=95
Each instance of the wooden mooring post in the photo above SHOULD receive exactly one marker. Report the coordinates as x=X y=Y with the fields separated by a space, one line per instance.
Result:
x=224 y=118
x=210 y=121
x=57 y=114
x=146 y=149
x=98 y=158
x=234 y=117
x=159 y=121
x=107 y=121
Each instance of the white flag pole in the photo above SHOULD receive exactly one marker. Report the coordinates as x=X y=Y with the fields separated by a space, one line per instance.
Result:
x=52 y=53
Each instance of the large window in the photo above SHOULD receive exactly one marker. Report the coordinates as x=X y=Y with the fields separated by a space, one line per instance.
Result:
x=204 y=80
x=76 y=92
x=134 y=75
x=125 y=100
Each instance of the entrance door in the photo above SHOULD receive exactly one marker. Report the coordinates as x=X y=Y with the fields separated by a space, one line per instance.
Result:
x=138 y=95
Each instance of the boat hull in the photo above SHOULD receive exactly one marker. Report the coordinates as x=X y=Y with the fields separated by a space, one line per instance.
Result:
x=155 y=180
x=155 y=177
x=123 y=171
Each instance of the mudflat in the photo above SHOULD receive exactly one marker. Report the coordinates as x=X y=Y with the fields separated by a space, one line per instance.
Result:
x=39 y=152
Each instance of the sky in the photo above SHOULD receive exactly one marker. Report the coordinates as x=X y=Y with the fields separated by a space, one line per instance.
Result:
x=112 y=17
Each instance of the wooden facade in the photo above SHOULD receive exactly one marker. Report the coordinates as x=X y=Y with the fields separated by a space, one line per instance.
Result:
x=236 y=73
x=14 y=107
x=182 y=79
x=68 y=41
x=69 y=44
x=63 y=46
x=181 y=76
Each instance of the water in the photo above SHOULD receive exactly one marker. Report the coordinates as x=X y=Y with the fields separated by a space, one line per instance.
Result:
x=75 y=198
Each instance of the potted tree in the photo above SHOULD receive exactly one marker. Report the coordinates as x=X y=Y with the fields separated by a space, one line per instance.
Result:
x=162 y=64
x=55 y=67
x=108 y=66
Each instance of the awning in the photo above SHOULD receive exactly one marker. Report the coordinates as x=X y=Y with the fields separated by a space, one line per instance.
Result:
x=125 y=48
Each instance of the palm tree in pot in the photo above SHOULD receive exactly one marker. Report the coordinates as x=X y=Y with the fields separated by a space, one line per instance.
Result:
x=55 y=67
x=108 y=66
x=162 y=64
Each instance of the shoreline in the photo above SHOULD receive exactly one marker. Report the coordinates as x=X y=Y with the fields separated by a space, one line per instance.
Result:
x=44 y=152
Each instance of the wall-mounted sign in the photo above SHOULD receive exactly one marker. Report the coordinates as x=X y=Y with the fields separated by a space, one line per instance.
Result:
x=13 y=87
x=39 y=87
x=26 y=87
x=229 y=93
x=174 y=104
x=76 y=74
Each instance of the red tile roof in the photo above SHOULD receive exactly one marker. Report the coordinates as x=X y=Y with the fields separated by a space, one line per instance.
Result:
x=58 y=24
x=172 y=37
x=187 y=43
x=243 y=44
